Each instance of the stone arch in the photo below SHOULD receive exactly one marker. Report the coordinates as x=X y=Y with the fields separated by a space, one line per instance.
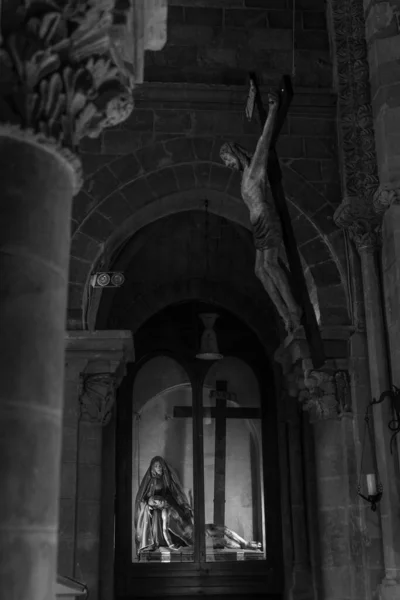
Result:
x=176 y=175
x=256 y=317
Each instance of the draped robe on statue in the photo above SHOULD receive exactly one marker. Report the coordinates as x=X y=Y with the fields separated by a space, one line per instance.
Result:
x=162 y=512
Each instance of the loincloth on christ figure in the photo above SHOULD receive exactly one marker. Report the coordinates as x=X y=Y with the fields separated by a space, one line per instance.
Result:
x=267 y=232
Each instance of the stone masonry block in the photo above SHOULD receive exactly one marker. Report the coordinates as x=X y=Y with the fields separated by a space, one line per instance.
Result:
x=314 y=20
x=315 y=251
x=318 y=40
x=87 y=556
x=89 y=487
x=309 y=168
x=189 y=35
x=78 y=270
x=177 y=121
x=180 y=150
x=89 y=519
x=85 y=247
x=336 y=581
x=101 y=184
x=82 y=204
x=318 y=147
x=97 y=227
x=154 y=157
x=68 y=480
x=137 y=193
x=202 y=147
x=303 y=230
x=245 y=18
x=69 y=444
x=66 y=520
x=75 y=297
x=290 y=146
x=299 y=125
x=90 y=437
x=115 y=208
x=126 y=168
x=268 y=4
x=185 y=177
x=93 y=162
x=65 y=557
x=219 y=177
x=325 y=273
x=334 y=542
x=283 y=19
x=273 y=39
x=163 y=182
x=120 y=141
x=202 y=172
x=204 y=16
x=140 y=120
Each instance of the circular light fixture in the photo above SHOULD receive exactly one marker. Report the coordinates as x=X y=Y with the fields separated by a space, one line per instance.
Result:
x=103 y=279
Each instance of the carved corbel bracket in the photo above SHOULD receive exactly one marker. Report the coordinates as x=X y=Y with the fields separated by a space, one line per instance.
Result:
x=97 y=397
x=326 y=395
x=385 y=197
x=67 y=69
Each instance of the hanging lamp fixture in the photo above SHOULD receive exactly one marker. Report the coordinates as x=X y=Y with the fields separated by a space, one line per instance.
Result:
x=208 y=344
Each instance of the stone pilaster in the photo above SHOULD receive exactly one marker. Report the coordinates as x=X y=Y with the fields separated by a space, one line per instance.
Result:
x=67 y=70
x=97 y=362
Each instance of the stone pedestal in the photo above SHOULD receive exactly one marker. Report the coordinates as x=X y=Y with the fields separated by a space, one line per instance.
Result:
x=95 y=365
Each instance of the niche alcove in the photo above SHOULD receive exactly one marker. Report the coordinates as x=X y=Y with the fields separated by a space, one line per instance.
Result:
x=206 y=432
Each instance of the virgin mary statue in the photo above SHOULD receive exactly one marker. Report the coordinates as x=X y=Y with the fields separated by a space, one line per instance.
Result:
x=163 y=516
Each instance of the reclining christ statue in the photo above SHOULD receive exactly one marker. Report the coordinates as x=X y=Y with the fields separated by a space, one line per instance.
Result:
x=264 y=218
x=164 y=517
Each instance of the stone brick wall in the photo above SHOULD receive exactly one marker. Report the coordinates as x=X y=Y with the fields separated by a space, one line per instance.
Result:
x=171 y=146
x=219 y=42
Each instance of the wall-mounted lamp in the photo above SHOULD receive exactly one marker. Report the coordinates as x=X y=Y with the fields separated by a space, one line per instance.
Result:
x=108 y=279
x=394 y=424
x=374 y=487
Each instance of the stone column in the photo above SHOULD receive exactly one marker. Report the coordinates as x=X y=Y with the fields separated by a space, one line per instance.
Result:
x=331 y=474
x=382 y=413
x=99 y=360
x=73 y=78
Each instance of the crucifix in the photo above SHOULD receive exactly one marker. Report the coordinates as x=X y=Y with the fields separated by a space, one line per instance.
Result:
x=221 y=412
x=270 y=217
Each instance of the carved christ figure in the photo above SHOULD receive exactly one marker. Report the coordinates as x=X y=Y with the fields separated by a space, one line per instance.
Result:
x=264 y=218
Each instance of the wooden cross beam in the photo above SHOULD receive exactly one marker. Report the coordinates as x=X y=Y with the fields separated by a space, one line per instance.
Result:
x=300 y=291
x=221 y=412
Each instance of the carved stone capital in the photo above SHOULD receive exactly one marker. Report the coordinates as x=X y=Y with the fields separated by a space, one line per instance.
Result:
x=385 y=196
x=326 y=395
x=67 y=69
x=362 y=223
x=97 y=397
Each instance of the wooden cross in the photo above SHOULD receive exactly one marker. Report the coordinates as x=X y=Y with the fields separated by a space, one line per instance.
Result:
x=274 y=173
x=220 y=413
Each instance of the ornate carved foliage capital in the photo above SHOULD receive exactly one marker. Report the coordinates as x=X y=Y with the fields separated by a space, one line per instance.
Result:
x=97 y=397
x=67 y=69
x=362 y=223
x=325 y=395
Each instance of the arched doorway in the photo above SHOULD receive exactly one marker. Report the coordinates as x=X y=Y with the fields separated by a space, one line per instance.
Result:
x=214 y=425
